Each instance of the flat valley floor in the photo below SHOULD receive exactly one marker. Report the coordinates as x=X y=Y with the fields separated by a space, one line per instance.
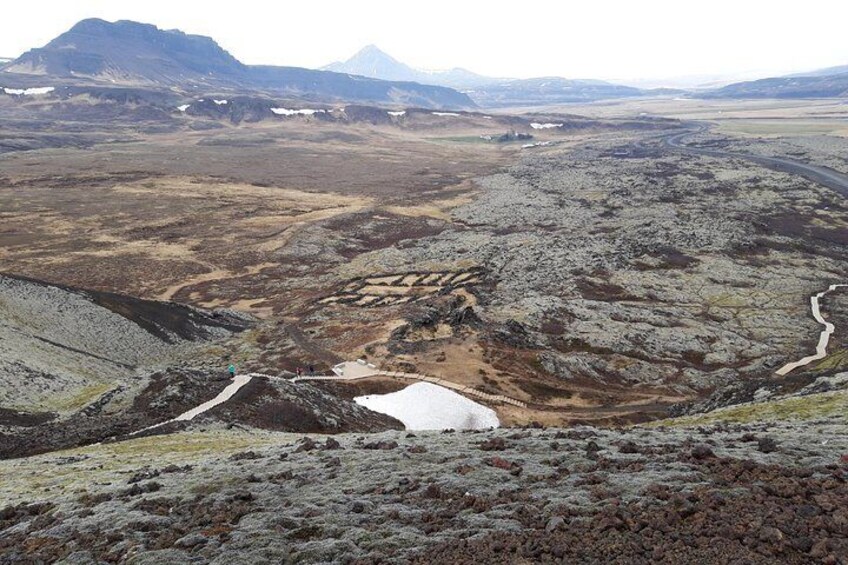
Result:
x=600 y=276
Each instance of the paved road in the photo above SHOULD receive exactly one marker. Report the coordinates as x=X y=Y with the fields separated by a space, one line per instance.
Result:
x=827 y=177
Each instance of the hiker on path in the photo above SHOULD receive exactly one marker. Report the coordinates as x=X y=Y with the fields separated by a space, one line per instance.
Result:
x=311 y=371
x=232 y=371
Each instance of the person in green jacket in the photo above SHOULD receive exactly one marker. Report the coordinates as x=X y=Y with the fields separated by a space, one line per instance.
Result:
x=232 y=370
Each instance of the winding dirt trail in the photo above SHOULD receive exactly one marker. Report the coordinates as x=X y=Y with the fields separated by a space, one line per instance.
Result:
x=214 y=275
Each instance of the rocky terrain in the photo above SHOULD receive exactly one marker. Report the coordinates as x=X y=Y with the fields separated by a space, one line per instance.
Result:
x=760 y=485
x=80 y=367
x=621 y=302
x=595 y=274
x=62 y=347
x=626 y=268
x=825 y=150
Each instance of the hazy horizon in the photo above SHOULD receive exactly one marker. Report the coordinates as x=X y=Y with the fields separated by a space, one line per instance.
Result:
x=624 y=41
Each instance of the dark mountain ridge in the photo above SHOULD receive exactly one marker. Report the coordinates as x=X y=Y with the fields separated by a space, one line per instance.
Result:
x=129 y=51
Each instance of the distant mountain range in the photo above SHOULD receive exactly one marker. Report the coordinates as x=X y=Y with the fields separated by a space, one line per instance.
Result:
x=829 y=71
x=125 y=53
x=485 y=91
x=371 y=62
x=493 y=92
x=809 y=86
x=136 y=54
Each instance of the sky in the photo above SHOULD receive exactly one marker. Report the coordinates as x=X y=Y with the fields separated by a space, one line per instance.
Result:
x=635 y=40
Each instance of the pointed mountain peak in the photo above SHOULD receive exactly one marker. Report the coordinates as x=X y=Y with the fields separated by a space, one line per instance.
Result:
x=371 y=61
x=373 y=53
x=370 y=49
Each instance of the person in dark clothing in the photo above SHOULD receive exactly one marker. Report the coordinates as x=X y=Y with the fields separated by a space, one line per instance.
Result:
x=311 y=370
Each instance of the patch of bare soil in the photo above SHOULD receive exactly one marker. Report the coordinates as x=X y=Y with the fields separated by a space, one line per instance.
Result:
x=352 y=389
x=278 y=406
x=24 y=419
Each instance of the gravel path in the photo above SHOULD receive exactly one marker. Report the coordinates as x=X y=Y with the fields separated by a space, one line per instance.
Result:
x=824 y=337
x=238 y=382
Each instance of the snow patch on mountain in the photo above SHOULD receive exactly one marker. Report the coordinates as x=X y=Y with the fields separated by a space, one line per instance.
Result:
x=29 y=91
x=292 y=112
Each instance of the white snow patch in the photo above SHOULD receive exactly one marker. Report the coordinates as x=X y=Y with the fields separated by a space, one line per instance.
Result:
x=183 y=108
x=396 y=114
x=545 y=126
x=291 y=112
x=220 y=102
x=444 y=113
x=426 y=406
x=538 y=144
x=29 y=91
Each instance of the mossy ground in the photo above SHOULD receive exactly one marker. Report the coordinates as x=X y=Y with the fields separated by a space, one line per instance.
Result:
x=836 y=360
x=812 y=407
x=69 y=470
x=71 y=401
